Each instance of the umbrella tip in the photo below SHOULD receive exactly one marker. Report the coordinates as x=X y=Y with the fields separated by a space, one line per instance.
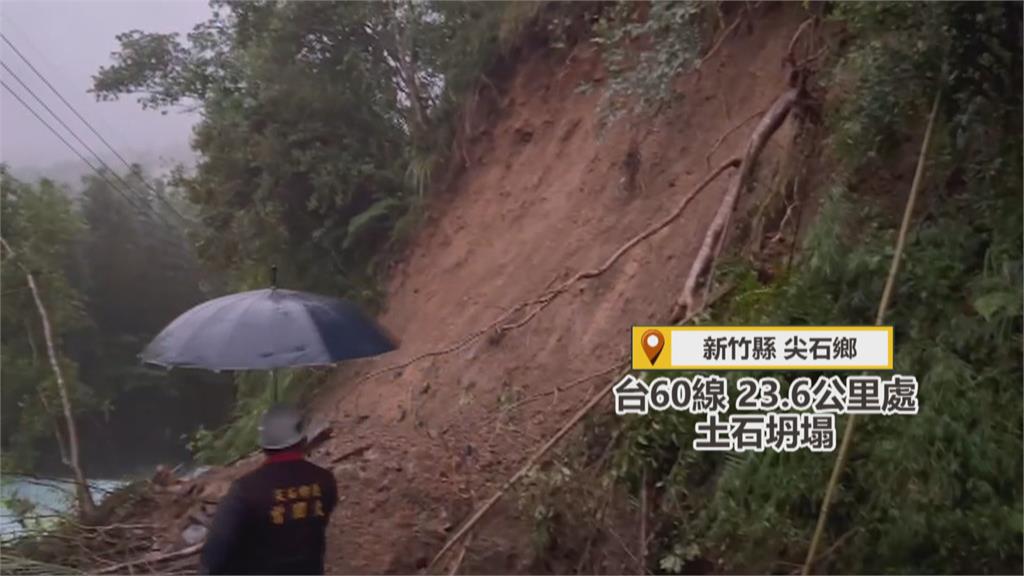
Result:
x=273 y=276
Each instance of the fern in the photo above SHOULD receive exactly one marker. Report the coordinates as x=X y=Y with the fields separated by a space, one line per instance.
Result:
x=420 y=171
x=359 y=224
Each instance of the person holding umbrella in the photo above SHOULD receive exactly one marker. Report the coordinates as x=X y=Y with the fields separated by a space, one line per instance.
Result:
x=266 y=330
x=274 y=519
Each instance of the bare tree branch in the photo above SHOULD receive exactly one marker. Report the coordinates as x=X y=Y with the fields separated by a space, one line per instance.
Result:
x=85 y=502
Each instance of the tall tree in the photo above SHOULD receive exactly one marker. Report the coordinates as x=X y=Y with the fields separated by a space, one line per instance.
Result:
x=322 y=123
x=300 y=135
x=318 y=120
x=138 y=272
x=40 y=228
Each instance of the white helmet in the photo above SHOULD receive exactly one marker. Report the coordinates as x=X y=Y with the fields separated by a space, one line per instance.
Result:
x=282 y=427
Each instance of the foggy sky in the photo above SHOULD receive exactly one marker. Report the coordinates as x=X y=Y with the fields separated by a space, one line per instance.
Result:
x=68 y=41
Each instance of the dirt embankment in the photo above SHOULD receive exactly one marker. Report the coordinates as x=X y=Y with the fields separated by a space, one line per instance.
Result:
x=545 y=195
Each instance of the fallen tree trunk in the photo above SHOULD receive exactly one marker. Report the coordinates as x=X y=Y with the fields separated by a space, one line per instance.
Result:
x=702 y=264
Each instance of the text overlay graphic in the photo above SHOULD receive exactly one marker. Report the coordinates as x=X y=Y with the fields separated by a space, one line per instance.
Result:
x=762 y=348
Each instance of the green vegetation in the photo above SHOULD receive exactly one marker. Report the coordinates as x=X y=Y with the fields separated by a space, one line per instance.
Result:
x=642 y=79
x=254 y=394
x=111 y=273
x=939 y=492
x=324 y=123
x=42 y=227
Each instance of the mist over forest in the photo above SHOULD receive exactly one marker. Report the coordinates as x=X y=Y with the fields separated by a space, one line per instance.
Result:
x=157 y=161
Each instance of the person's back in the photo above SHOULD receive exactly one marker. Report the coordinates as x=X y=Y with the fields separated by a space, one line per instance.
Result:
x=274 y=519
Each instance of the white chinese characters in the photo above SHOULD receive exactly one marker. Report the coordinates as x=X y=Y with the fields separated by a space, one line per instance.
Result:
x=800 y=415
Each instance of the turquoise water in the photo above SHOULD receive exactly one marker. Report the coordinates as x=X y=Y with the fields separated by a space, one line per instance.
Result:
x=49 y=497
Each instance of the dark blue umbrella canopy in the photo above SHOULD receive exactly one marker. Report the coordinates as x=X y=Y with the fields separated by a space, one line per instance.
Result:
x=267 y=329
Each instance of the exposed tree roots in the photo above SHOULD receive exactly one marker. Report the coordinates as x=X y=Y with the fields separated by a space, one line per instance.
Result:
x=701 y=268
x=499 y=327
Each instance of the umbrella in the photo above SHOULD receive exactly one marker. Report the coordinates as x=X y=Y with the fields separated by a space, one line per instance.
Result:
x=265 y=330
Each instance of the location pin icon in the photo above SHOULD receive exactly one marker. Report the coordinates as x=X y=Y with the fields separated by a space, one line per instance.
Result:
x=652 y=342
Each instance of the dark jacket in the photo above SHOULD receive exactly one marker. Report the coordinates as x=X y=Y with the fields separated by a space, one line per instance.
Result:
x=273 y=520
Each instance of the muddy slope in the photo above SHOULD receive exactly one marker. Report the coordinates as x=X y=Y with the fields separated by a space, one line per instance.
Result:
x=545 y=196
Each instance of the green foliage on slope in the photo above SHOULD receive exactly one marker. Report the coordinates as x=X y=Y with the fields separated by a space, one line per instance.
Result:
x=939 y=492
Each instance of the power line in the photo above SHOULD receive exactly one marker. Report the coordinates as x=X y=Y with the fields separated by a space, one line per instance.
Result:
x=161 y=236
x=80 y=141
x=99 y=172
x=87 y=124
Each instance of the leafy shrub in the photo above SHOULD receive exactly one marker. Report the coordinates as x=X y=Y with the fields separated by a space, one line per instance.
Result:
x=645 y=56
x=254 y=395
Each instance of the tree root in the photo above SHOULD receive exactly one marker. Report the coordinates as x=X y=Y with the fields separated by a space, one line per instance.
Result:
x=544 y=300
x=552 y=442
x=622 y=543
x=790 y=57
x=713 y=240
x=553 y=392
x=594 y=400
x=714 y=48
x=721 y=139
x=444 y=351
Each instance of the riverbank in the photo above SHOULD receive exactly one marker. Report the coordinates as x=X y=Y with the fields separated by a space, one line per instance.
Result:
x=145 y=520
x=32 y=503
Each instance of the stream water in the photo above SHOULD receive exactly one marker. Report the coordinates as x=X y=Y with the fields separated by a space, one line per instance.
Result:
x=47 y=496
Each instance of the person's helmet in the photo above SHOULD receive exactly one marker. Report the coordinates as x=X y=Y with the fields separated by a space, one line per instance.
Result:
x=282 y=427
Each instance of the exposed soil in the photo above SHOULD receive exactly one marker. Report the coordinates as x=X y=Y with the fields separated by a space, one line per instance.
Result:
x=545 y=196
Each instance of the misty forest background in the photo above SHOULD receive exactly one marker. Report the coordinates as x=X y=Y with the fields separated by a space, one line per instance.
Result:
x=113 y=270
x=323 y=124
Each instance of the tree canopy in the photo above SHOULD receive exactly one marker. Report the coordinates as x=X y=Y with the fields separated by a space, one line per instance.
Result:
x=111 y=273
x=321 y=122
